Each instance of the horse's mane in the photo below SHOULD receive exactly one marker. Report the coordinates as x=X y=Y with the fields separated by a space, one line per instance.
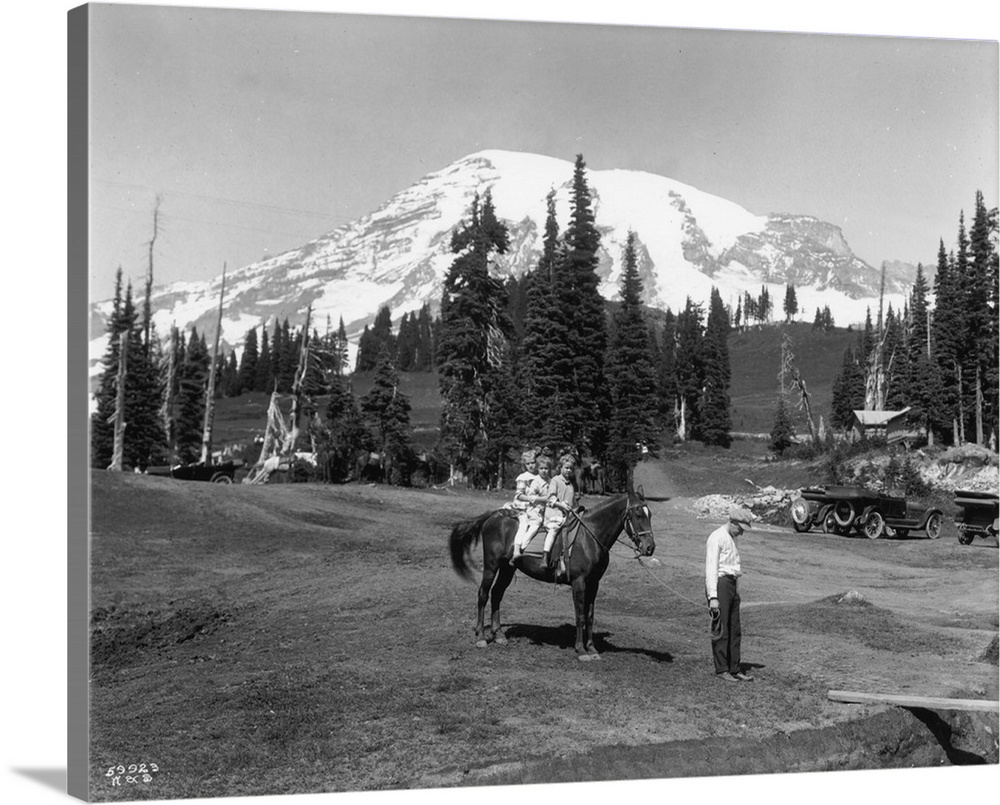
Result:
x=606 y=503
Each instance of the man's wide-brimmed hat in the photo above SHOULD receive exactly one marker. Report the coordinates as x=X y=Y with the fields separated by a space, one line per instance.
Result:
x=744 y=517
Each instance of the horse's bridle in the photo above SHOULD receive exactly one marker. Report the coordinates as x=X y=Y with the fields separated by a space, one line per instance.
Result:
x=628 y=525
x=634 y=533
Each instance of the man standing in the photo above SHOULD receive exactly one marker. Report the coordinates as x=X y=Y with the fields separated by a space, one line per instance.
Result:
x=722 y=569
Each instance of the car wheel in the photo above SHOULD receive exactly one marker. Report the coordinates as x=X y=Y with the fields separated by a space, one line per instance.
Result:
x=829 y=524
x=964 y=538
x=800 y=515
x=874 y=524
x=934 y=526
x=221 y=478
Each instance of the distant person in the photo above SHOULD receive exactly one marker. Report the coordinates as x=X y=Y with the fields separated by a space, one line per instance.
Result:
x=722 y=569
x=529 y=498
x=561 y=495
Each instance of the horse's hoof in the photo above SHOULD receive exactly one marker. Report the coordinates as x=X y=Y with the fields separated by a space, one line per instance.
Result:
x=500 y=641
x=482 y=643
x=584 y=657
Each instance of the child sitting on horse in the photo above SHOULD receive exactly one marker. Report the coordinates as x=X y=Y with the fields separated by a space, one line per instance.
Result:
x=530 y=498
x=560 y=503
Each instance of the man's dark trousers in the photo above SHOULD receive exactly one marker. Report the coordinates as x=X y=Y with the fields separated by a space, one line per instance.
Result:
x=726 y=647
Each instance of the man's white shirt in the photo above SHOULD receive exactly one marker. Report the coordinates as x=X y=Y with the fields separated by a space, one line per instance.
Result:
x=721 y=558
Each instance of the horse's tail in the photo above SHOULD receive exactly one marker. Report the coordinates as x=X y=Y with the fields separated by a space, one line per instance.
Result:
x=463 y=536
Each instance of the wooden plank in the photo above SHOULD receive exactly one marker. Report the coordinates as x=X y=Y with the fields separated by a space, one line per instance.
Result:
x=926 y=702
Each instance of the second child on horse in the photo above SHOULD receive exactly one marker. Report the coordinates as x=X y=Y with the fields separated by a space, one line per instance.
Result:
x=530 y=498
x=560 y=503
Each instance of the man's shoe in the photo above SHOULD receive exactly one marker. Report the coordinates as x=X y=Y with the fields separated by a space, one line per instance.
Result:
x=742 y=677
x=727 y=676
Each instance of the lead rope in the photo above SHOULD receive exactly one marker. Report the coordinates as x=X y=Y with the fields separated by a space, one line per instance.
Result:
x=658 y=580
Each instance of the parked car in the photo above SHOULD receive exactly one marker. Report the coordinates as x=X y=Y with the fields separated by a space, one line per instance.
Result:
x=977 y=515
x=841 y=509
x=223 y=473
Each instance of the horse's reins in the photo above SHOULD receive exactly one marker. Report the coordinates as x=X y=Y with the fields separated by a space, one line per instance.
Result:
x=633 y=534
x=625 y=526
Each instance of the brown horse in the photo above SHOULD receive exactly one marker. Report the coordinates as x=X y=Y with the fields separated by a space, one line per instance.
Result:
x=594 y=532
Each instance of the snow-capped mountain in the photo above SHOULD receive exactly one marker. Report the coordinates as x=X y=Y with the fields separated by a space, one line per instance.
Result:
x=689 y=241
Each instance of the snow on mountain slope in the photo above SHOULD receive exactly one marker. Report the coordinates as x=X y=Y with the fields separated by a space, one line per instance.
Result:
x=398 y=255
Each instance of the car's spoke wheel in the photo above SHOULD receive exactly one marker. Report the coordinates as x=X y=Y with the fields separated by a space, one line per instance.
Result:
x=800 y=515
x=934 y=526
x=874 y=525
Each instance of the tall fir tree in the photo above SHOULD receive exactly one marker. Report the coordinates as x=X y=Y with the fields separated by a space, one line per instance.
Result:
x=667 y=372
x=102 y=429
x=631 y=378
x=848 y=388
x=388 y=410
x=193 y=382
x=715 y=422
x=247 y=373
x=580 y=311
x=791 y=303
x=473 y=325
x=540 y=345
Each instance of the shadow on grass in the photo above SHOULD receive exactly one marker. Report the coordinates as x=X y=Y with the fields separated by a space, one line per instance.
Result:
x=565 y=637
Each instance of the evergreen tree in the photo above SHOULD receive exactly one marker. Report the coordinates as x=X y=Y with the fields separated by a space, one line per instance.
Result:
x=689 y=370
x=544 y=339
x=666 y=372
x=782 y=432
x=791 y=304
x=102 y=429
x=388 y=410
x=580 y=312
x=424 y=359
x=247 y=375
x=406 y=343
x=345 y=436
x=715 y=422
x=848 y=389
x=946 y=335
x=263 y=376
x=631 y=377
x=473 y=326
x=981 y=335
x=145 y=440
x=193 y=382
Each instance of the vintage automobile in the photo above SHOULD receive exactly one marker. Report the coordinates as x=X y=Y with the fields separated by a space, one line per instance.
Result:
x=223 y=473
x=977 y=515
x=841 y=509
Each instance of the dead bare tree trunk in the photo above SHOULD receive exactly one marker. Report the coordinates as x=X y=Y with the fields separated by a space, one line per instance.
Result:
x=119 y=415
x=960 y=418
x=788 y=367
x=979 y=406
x=206 y=432
x=147 y=308
x=169 y=378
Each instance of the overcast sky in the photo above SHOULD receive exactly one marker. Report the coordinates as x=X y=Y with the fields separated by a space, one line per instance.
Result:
x=261 y=130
